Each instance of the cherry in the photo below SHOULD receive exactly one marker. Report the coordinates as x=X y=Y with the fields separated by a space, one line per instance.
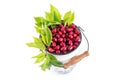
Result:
x=57 y=35
x=70 y=36
x=64 y=39
x=54 y=30
x=70 y=42
x=60 y=39
x=76 y=43
x=63 y=30
x=69 y=29
x=50 y=49
x=57 y=47
x=70 y=48
x=73 y=26
x=63 y=35
x=77 y=31
x=74 y=46
x=64 y=48
x=53 y=44
x=55 y=39
x=71 y=33
x=74 y=35
x=77 y=39
x=60 y=33
x=58 y=52
x=62 y=44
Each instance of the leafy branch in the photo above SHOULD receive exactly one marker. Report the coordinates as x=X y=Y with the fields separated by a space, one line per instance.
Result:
x=42 y=26
x=47 y=58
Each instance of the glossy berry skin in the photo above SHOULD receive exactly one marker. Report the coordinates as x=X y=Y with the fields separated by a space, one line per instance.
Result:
x=65 y=39
x=77 y=39
x=74 y=35
x=57 y=47
x=69 y=29
x=50 y=49
x=53 y=44
x=73 y=26
x=57 y=35
x=54 y=30
x=60 y=39
x=60 y=33
x=58 y=52
x=70 y=36
x=55 y=39
x=77 y=31
x=70 y=48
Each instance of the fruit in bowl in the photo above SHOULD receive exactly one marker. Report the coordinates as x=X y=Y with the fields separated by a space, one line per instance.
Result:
x=65 y=39
x=58 y=36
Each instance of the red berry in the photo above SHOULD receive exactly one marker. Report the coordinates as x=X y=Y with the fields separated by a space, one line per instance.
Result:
x=70 y=42
x=77 y=31
x=64 y=48
x=76 y=43
x=71 y=33
x=58 y=52
x=57 y=47
x=69 y=29
x=63 y=35
x=74 y=35
x=73 y=26
x=67 y=34
x=54 y=30
x=53 y=44
x=60 y=33
x=50 y=49
x=55 y=39
x=60 y=39
x=70 y=48
x=74 y=46
x=62 y=44
x=77 y=39
x=67 y=39
x=57 y=35
x=64 y=39
x=70 y=36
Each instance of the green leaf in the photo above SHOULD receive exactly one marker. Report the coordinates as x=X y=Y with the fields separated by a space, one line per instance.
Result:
x=55 y=13
x=68 y=18
x=37 y=19
x=53 y=23
x=56 y=63
x=31 y=44
x=48 y=36
x=38 y=60
x=37 y=44
x=45 y=65
x=49 y=65
x=52 y=57
x=71 y=19
x=49 y=17
x=67 y=15
x=40 y=21
x=40 y=55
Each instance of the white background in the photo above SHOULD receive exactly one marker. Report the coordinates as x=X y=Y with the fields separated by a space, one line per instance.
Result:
x=99 y=18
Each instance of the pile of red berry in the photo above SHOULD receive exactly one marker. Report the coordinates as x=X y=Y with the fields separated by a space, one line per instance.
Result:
x=65 y=39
